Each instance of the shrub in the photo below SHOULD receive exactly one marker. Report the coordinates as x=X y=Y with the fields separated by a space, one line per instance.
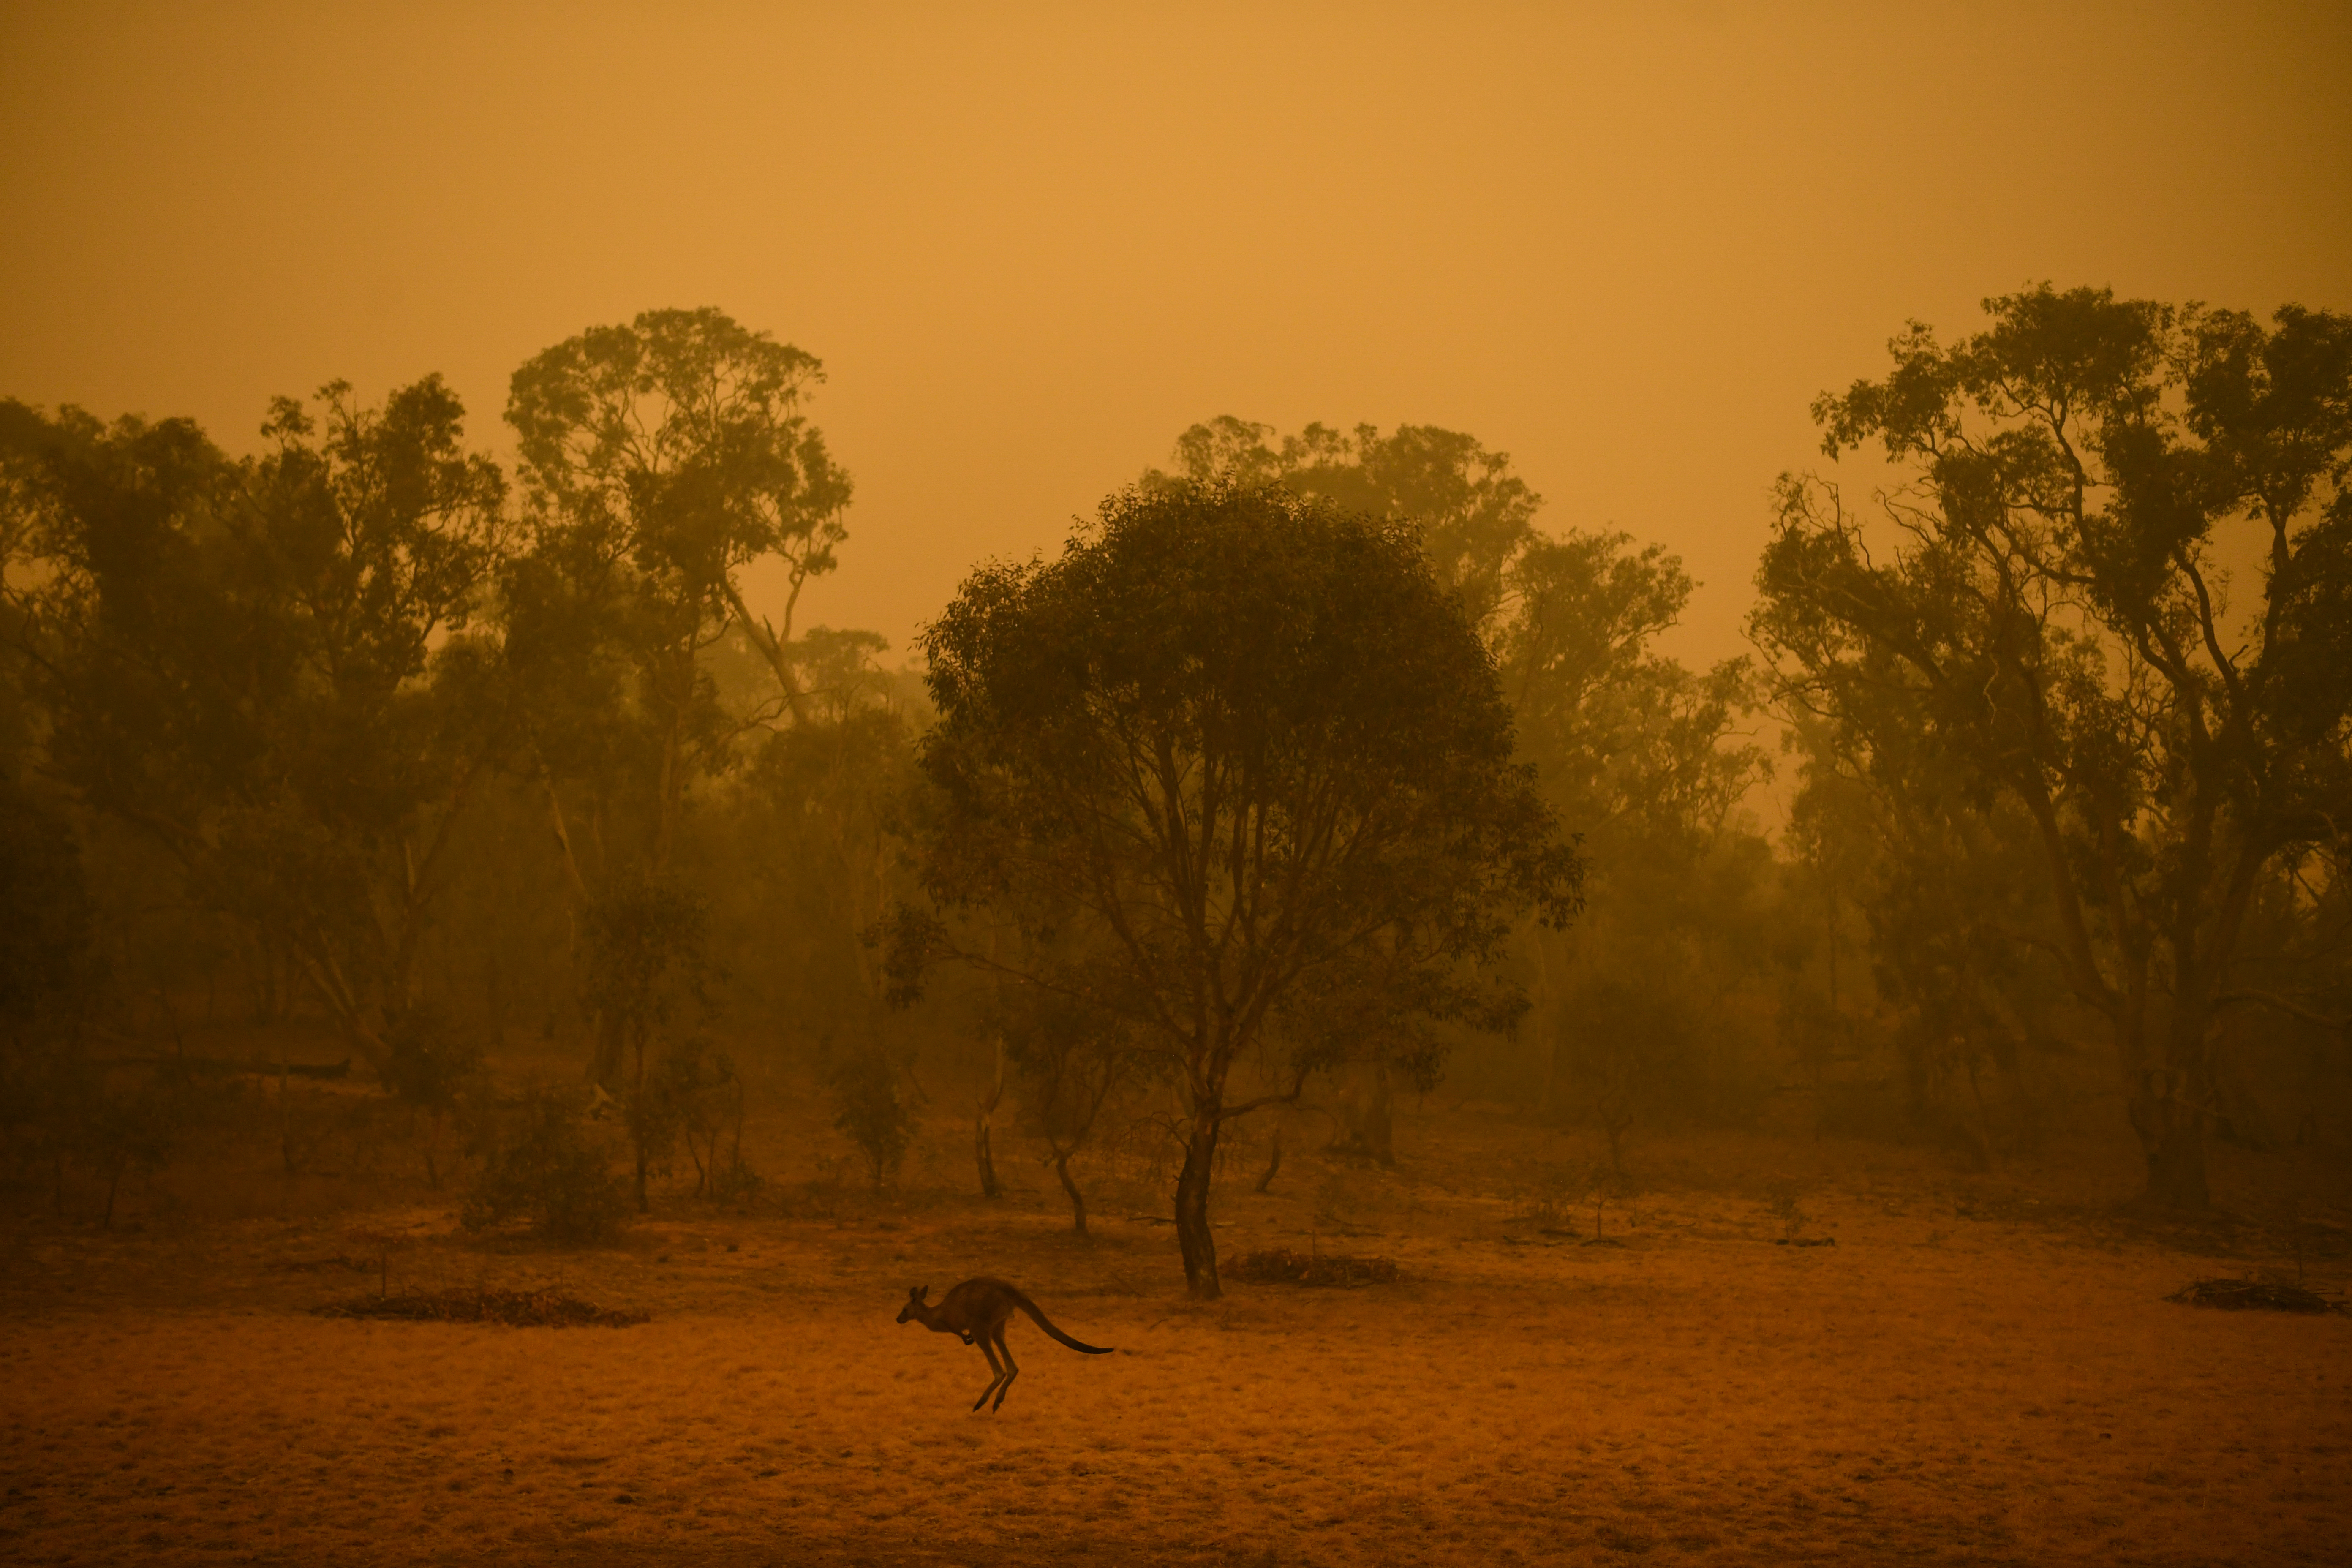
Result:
x=865 y=1088
x=697 y=1091
x=429 y=1067
x=552 y=1168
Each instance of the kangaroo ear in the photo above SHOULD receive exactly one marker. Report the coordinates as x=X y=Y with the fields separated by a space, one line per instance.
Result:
x=921 y=1292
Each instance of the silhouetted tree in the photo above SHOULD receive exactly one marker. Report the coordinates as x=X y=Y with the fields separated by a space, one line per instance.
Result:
x=2048 y=610
x=1071 y=1061
x=1638 y=752
x=649 y=973
x=1475 y=515
x=868 y=1107
x=662 y=458
x=1241 y=740
x=270 y=670
x=430 y=1066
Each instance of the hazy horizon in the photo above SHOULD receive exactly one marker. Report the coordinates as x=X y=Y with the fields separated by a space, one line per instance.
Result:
x=1031 y=248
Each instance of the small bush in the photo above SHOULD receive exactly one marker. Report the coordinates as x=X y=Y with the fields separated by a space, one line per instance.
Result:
x=733 y=1181
x=552 y=1169
x=430 y=1068
x=865 y=1088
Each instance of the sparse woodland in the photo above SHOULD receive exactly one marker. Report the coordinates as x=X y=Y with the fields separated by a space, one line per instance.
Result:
x=1304 y=930
x=383 y=813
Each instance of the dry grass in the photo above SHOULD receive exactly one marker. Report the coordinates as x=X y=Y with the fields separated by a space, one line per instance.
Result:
x=2008 y=1387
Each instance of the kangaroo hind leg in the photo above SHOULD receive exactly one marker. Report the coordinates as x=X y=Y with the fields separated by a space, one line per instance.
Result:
x=1011 y=1371
x=997 y=1372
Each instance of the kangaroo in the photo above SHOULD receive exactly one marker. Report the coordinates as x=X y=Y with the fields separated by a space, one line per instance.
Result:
x=976 y=1312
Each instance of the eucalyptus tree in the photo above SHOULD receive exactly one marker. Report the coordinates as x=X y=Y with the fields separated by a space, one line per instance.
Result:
x=1475 y=514
x=1240 y=748
x=270 y=669
x=2114 y=585
x=1639 y=752
x=1072 y=1062
x=664 y=459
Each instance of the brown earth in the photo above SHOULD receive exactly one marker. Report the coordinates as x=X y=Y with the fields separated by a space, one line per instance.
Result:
x=1982 y=1369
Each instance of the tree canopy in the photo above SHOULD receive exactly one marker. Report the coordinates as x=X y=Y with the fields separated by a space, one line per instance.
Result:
x=1251 y=746
x=2115 y=595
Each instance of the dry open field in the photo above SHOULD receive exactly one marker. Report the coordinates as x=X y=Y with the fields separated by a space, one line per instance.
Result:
x=1982 y=1369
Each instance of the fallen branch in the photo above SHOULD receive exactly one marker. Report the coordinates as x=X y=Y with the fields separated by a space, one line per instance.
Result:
x=2255 y=1295
x=1283 y=1267
x=518 y=1309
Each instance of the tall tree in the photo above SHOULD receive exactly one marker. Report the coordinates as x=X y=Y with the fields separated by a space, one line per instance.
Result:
x=1633 y=747
x=1250 y=743
x=2051 y=608
x=663 y=458
x=1475 y=514
x=268 y=668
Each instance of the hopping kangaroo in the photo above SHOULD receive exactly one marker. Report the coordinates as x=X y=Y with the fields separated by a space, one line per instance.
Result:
x=976 y=1312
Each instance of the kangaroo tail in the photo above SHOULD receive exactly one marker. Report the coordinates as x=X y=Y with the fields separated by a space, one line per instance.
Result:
x=1026 y=1305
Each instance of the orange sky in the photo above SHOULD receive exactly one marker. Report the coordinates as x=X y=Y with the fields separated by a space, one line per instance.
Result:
x=1627 y=245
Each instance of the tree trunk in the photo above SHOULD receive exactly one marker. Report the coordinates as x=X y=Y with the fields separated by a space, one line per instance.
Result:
x=265 y=987
x=1367 y=1114
x=1077 y=1198
x=2168 y=1091
x=1192 y=1233
x=1380 y=1118
x=638 y=1125
x=1273 y=1164
x=989 y=1187
x=2172 y=1137
x=981 y=1154
x=605 y=1065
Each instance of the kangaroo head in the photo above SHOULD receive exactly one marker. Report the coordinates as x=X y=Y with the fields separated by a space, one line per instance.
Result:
x=914 y=1307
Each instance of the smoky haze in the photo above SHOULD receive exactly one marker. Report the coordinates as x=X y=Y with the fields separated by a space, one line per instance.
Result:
x=1504 y=783
x=1627 y=248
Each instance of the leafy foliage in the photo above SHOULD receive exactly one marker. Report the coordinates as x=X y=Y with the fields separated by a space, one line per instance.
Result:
x=868 y=1107
x=552 y=1167
x=2051 y=635
x=1244 y=743
x=256 y=665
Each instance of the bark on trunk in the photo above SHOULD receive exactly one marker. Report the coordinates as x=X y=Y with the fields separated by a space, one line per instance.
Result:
x=1273 y=1164
x=989 y=1185
x=1192 y=1233
x=1380 y=1118
x=1077 y=1198
x=637 y=1123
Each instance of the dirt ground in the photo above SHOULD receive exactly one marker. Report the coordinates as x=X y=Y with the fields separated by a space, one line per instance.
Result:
x=1981 y=1369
